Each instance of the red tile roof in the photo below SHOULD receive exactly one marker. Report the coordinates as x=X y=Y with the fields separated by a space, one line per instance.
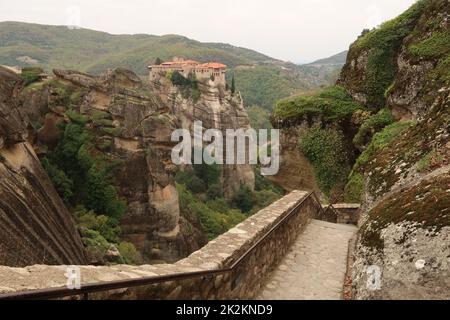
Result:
x=208 y=65
x=214 y=65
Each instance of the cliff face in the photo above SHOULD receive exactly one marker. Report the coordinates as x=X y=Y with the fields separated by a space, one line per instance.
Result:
x=131 y=125
x=390 y=108
x=216 y=108
x=296 y=172
x=35 y=226
x=405 y=225
x=403 y=64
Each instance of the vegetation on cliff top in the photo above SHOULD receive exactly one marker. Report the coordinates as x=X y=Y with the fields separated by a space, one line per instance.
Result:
x=383 y=44
x=262 y=80
x=331 y=104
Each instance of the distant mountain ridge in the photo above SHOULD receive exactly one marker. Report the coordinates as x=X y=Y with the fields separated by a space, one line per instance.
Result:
x=262 y=80
x=93 y=51
x=337 y=59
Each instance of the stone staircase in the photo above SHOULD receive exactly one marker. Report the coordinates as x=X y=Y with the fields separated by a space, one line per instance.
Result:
x=315 y=267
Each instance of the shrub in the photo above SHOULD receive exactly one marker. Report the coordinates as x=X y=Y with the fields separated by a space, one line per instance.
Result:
x=379 y=76
x=219 y=205
x=215 y=216
x=215 y=191
x=189 y=85
x=210 y=174
x=107 y=227
x=262 y=183
x=354 y=188
x=325 y=149
x=381 y=140
x=129 y=254
x=90 y=174
x=96 y=245
x=263 y=199
x=191 y=181
x=384 y=43
x=333 y=103
x=30 y=75
x=371 y=126
x=243 y=199
x=435 y=46
x=62 y=184
x=179 y=80
x=100 y=195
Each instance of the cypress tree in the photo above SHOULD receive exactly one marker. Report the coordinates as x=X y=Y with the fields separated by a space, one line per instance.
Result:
x=233 y=85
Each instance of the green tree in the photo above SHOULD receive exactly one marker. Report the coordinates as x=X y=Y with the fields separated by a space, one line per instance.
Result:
x=100 y=195
x=233 y=85
x=158 y=61
x=63 y=185
x=243 y=199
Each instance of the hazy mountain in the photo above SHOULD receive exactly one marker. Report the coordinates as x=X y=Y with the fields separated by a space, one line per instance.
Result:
x=261 y=79
x=337 y=59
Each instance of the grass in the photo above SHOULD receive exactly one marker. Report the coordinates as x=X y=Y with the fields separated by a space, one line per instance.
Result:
x=381 y=140
x=428 y=161
x=374 y=124
x=354 y=189
x=434 y=47
x=355 y=185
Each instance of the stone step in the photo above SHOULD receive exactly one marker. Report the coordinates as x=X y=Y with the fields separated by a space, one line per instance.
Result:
x=336 y=226
x=314 y=268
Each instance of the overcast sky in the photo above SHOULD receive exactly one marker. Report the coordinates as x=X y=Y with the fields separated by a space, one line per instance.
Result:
x=294 y=30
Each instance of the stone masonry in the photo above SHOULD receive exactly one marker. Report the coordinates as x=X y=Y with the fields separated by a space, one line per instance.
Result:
x=244 y=283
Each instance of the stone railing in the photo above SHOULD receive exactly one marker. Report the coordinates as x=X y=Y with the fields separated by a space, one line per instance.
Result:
x=233 y=266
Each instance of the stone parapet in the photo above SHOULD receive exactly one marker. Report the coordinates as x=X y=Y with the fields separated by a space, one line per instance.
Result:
x=243 y=282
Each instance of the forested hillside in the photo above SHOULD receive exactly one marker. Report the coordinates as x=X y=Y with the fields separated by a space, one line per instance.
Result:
x=261 y=79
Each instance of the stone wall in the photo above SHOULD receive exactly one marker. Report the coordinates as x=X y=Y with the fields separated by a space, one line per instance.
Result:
x=243 y=283
x=343 y=213
x=348 y=213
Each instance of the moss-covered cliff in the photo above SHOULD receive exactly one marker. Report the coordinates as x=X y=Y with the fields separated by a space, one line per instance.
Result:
x=395 y=124
x=401 y=177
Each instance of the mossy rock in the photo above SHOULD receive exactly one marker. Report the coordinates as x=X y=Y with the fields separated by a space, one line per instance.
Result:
x=427 y=204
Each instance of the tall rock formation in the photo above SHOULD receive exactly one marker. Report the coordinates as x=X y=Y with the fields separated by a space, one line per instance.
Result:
x=35 y=226
x=131 y=124
x=403 y=247
x=398 y=75
x=216 y=108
